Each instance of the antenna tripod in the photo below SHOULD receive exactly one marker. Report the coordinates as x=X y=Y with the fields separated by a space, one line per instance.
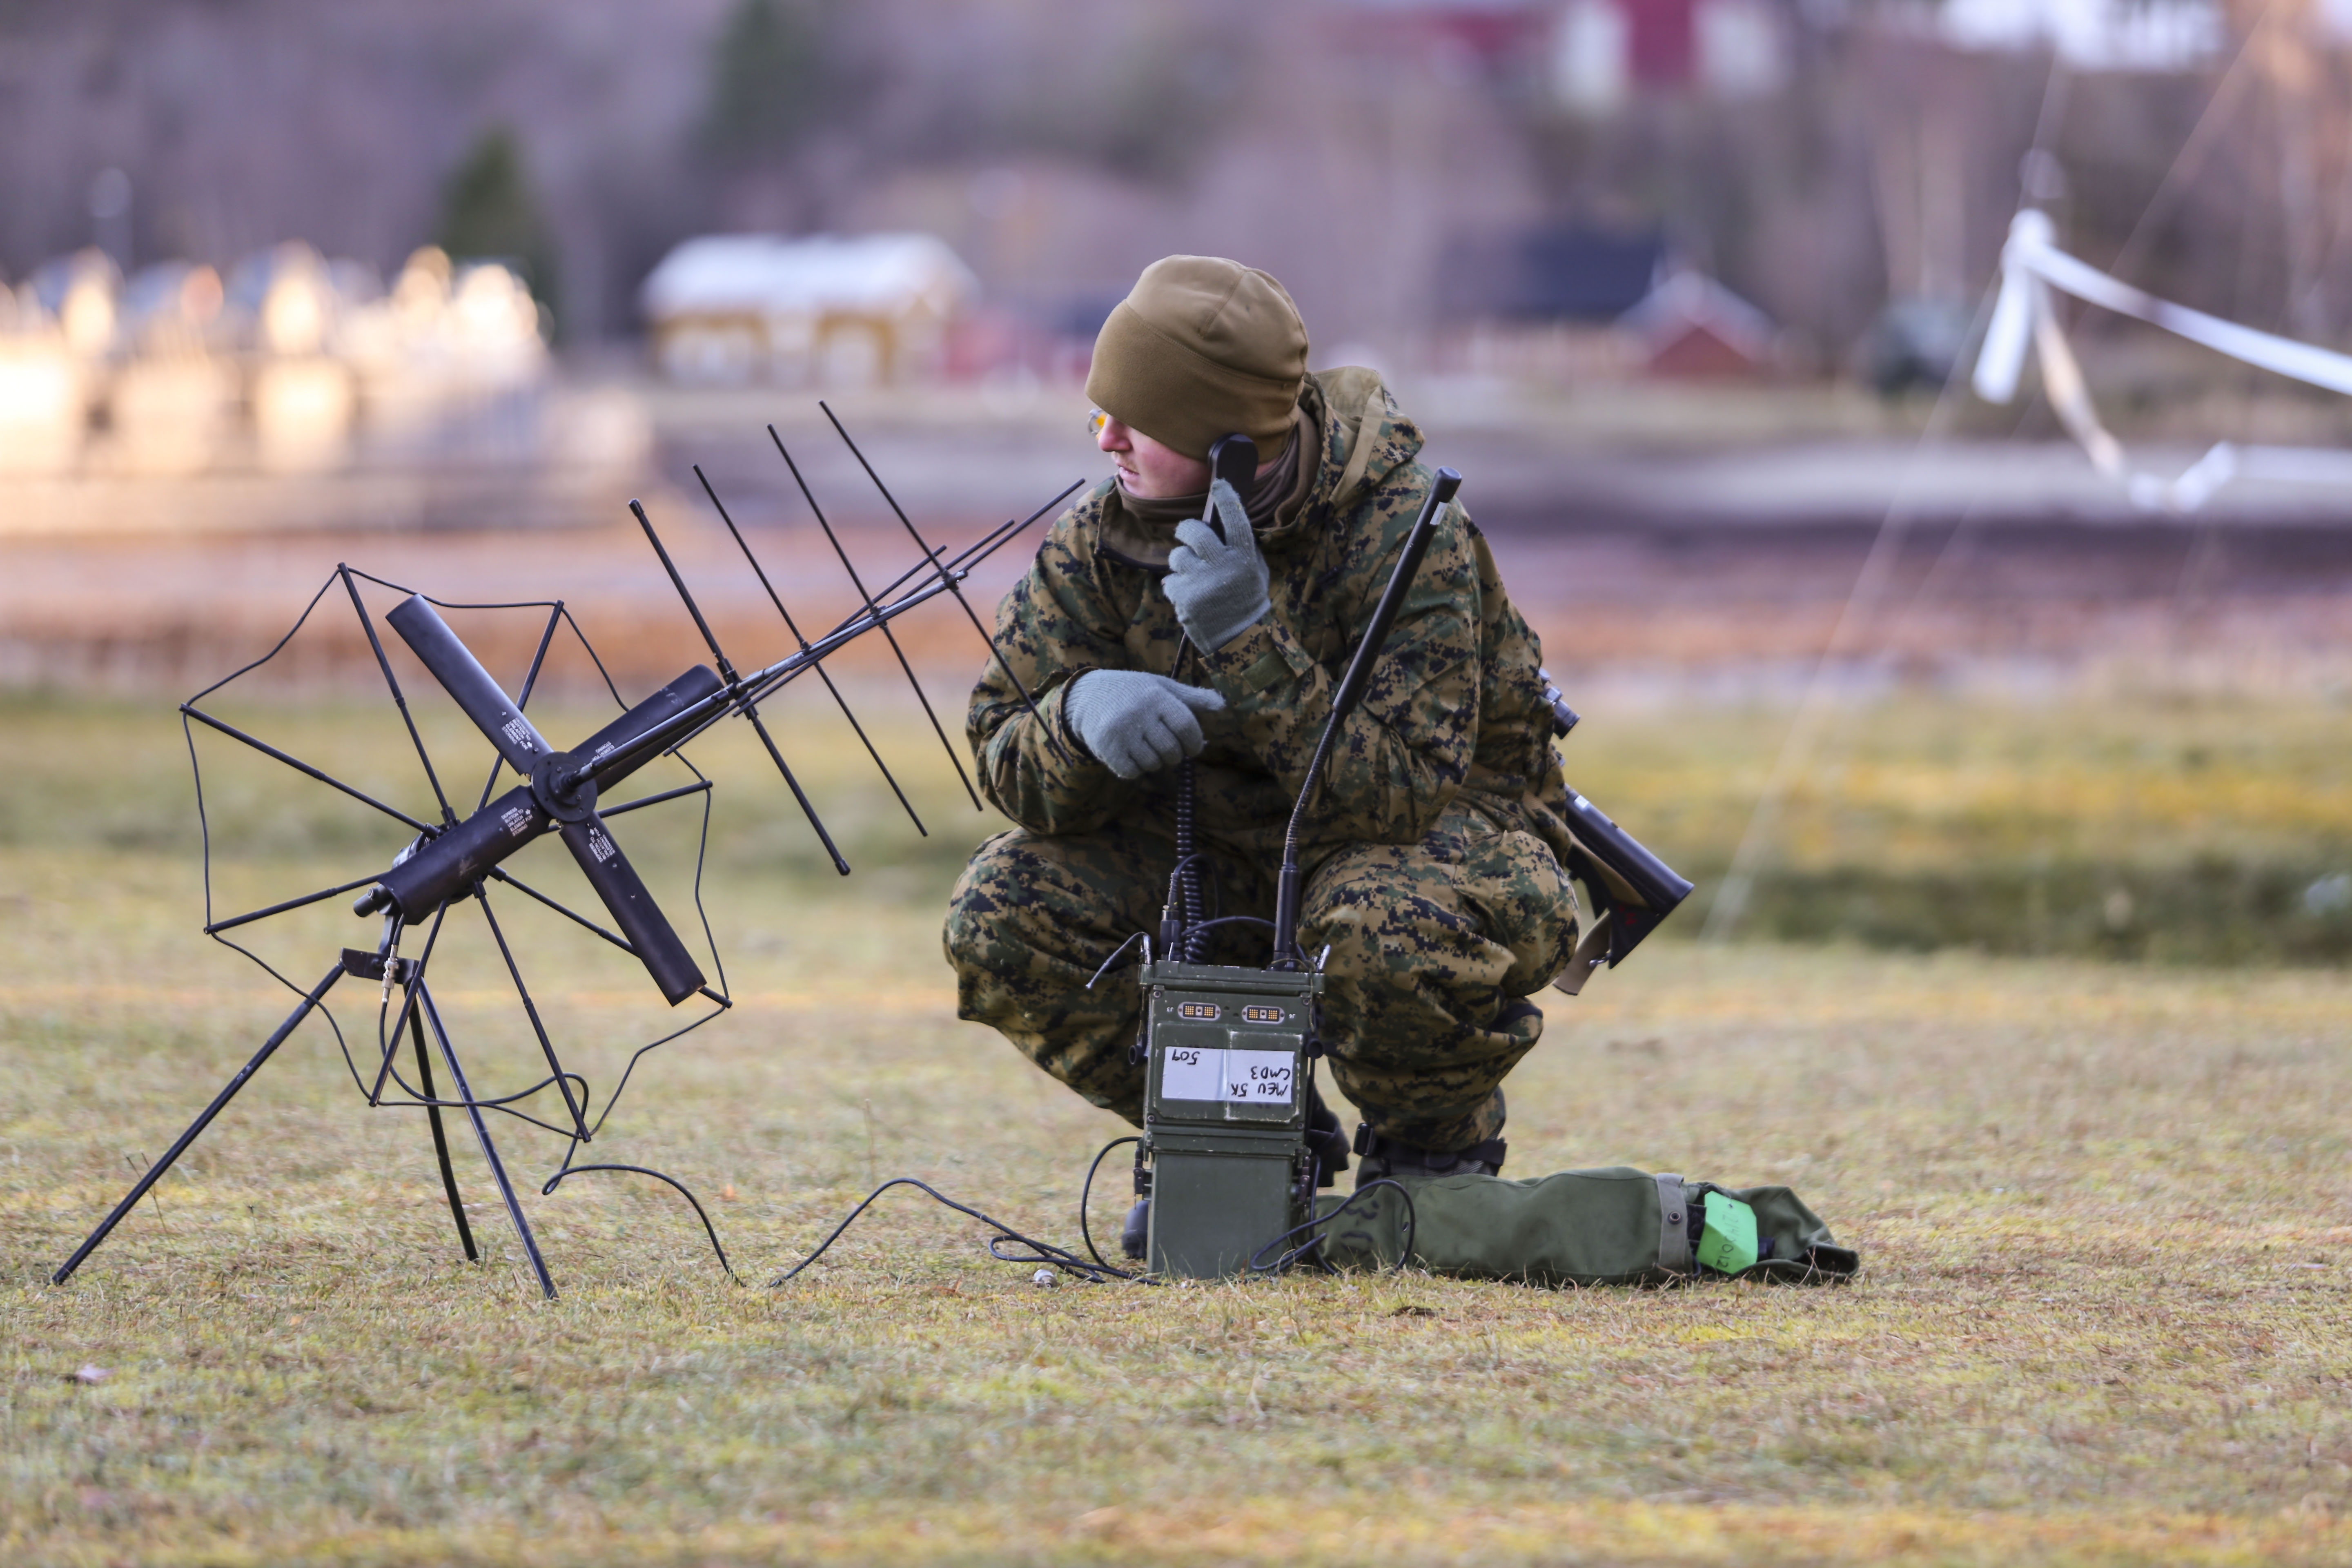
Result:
x=418 y=1014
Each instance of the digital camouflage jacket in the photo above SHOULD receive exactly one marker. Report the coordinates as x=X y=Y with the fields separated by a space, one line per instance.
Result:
x=1455 y=705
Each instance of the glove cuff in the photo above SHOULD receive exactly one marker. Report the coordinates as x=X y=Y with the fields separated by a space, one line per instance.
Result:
x=1069 y=725
x=1210 y=636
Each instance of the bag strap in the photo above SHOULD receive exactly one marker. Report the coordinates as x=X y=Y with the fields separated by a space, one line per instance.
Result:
x=1359 y=457
x=1673 y=1228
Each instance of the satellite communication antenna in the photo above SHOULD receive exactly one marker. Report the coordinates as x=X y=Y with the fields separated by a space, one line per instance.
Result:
x=456 y=859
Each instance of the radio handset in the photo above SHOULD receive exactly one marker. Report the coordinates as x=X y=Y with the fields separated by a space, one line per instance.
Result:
x=1232 y=458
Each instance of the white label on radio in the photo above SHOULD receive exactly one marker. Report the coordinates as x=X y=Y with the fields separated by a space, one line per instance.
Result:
x=1193 y=1072
x=1262 y=1077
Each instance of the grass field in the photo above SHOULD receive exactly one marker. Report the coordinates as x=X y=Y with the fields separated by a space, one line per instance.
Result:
x=2102 y=1208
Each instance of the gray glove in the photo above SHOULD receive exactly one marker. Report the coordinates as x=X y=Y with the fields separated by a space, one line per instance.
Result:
x=1218 y=585
x=1137 y=722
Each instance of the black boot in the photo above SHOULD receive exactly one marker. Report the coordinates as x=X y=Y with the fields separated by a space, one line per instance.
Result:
x=1386 y=1157
x=1325 y=1142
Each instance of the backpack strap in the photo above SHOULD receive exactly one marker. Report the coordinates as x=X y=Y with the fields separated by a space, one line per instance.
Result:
x=1359 y=456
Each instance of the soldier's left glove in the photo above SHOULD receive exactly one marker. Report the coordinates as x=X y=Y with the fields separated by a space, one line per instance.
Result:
x=1218 y=585
x=1137 y=723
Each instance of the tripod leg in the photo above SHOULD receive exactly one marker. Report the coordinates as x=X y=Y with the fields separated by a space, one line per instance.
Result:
x=440 y=1134
x=196 y=1128
x=482 y=1135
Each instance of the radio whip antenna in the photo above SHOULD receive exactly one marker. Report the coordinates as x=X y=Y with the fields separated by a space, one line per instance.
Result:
x=875 y=611
x=793 y=627
x=735 y=689
x=1343 y=702
x=932 y=556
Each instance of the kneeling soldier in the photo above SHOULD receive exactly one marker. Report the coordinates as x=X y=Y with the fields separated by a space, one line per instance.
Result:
x=1433 y=851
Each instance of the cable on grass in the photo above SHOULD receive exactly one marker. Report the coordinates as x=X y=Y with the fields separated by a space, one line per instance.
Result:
x=568 y=1171
x=1318 y=1229
x=1087 y=1192
x=1095 y=1273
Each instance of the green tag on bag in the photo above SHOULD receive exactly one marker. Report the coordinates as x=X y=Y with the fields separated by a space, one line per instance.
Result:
x=1729 y=1243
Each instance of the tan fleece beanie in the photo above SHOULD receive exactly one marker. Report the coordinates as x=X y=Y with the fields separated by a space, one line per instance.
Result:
x=1200 y=348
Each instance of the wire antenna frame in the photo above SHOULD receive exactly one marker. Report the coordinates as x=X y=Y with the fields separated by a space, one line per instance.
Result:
x=415 y=1021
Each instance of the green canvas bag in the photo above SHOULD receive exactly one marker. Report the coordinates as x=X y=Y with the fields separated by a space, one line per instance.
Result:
x=1612 y=1226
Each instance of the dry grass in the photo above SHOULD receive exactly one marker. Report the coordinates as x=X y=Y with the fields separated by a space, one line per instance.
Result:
x=2101 y=1209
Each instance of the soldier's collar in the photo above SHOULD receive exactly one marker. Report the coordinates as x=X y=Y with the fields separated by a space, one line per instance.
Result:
x=1142 y=536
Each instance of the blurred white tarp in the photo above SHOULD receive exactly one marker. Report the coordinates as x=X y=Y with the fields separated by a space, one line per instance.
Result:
x=2032 y=265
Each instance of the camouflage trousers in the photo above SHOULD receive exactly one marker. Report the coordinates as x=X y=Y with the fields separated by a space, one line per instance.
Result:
x=1434 y=948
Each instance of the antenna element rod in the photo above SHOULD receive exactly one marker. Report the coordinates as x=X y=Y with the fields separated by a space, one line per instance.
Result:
x=932 y=556
x=743 y=702
x=874 y=613
x=793 y=626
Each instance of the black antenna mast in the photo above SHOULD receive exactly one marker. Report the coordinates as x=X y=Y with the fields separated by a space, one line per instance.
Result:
x=1343 y=702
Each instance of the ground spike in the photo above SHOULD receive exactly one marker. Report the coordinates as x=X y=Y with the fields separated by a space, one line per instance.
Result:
x=874 y=612
x=743 y=702
x=793 y=626
x=949 y=582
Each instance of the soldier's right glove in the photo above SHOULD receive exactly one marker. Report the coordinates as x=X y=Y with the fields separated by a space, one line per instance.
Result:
x=1134 y=722
x=1218 y=586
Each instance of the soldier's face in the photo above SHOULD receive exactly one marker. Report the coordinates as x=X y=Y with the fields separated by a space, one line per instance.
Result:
x=1147 y=470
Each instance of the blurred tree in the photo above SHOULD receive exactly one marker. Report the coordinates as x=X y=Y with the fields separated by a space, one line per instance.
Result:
x=771 y=82
x=1156 y=120
x=489 y=213
x=1136 y=89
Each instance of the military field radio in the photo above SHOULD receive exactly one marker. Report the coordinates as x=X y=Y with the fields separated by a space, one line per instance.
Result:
x=1229 y=1051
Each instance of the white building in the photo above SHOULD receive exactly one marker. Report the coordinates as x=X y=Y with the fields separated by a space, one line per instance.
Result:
x=729 y=310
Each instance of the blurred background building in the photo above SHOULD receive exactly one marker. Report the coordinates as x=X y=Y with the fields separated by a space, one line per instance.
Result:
x=731 y=310
x=1438 y=181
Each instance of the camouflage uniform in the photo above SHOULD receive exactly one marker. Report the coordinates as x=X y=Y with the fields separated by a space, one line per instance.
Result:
x=1432 y=851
